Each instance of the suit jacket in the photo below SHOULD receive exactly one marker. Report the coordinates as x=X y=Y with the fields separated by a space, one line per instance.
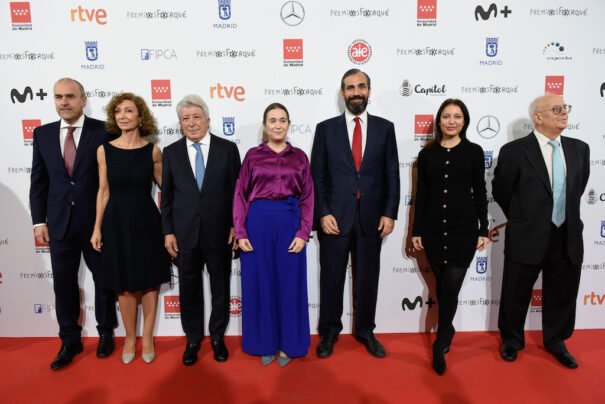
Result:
x=336 y=179
x=522 y=188
x=185 y=208
x=53 y=193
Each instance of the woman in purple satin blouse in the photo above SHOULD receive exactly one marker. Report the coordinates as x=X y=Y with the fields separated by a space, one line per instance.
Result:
x=273 y=214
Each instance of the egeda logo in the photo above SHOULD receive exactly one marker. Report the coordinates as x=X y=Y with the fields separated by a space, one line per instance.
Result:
x=417 y=302
x=229 y=125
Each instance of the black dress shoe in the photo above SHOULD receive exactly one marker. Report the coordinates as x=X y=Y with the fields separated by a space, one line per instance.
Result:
x=66 y=355
x=106 y=345
x=372 y=345
x=566 y=359
x=220 y=350
x=325 y=348
x=438 y=360
x=190 y=354
x=508 y=353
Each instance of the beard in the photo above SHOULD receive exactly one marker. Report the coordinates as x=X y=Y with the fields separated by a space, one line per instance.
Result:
x=356 y=108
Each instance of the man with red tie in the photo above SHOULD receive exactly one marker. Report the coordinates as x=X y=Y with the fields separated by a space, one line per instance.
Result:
x=355 y=170
x=63 y=191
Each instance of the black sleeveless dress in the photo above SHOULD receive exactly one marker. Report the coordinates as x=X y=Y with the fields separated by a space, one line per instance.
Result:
x=133 y=253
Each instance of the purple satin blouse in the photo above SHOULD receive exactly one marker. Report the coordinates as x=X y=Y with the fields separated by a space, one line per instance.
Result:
x=266 y=174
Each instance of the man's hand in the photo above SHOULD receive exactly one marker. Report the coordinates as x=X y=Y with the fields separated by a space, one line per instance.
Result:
x=170 y=244
x=41 y=234
x=386 y=225
x=234 y=245
x=329 y=225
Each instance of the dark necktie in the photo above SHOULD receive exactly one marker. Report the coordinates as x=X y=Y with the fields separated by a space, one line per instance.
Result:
x=69 y=150
x=356 y=147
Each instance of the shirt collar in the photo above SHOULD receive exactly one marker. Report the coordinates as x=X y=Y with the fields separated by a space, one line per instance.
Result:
x=363 y=117
x=78 y=124
x=205 y=141
x=543 y=140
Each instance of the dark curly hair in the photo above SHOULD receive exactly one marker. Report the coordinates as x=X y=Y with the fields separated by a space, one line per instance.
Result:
x=148 y=123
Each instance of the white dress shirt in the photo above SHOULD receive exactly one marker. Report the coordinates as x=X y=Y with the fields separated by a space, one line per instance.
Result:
x=547 y=151
x=63 y=132
x=363 y=121
x=191 y=151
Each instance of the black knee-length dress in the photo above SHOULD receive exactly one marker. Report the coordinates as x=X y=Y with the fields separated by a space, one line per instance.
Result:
x=451 y=202
x=133 y=253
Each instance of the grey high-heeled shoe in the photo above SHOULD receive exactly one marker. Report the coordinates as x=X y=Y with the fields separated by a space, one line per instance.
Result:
x=267 y=359
x=127 y=357
x=148 y=357
x=283 y=360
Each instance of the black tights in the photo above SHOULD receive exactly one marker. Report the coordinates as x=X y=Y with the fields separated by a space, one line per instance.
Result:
x=449 y=281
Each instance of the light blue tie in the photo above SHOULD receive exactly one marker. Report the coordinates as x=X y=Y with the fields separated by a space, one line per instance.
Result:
x=558 y=184
x=200 y=170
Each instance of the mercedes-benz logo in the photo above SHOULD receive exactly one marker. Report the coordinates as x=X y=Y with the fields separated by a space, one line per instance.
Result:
x=292 y=13
x=488 y=126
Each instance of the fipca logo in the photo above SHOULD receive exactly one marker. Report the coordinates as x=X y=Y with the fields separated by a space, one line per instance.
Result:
x=172 y=307
x=408 y=200
x=160 y=93
x=224 y=13
x=488 y=126
x=92 y=55
x=155 y=54
x=555 y=51
x=235 y=306
x=292 y=13
x=536 y=301
x=21 y=16
x=28 y=126
x=21 y=97
x=293 y=52
x=423 y=127
x=427 y=13
x=491 y=51
x=40 y=308
x=436 y=89
x=359 y=52
x=492 y=11
x=554 y=85
x=229 y=125
x=488 y=155
x=411 y=305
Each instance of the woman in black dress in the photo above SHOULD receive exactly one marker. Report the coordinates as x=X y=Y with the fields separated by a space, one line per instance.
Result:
x=450 y=219
x=128 y=229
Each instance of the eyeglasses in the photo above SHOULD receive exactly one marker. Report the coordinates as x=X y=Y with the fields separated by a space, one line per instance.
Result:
x=557 y=109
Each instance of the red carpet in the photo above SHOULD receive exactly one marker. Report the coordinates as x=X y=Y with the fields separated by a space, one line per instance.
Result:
x=475 y=374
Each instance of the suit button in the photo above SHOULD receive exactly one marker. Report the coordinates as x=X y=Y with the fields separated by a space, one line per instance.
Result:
x=445 y=191
x=445 y=247
x=445 y=233
x=444 y=206
x=445 y=261
x=444 y=221
x=73 y=203
x=72 y=183
x=447 y=162
x=445 y=175
x=449 y=150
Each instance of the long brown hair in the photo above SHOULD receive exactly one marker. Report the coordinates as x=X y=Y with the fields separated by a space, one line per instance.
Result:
x=438 y=134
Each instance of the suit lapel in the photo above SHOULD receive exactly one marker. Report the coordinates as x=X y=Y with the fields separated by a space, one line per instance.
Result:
x=212 y=157
x=370 y=141
x=571 y=163
x=536 y=160
x=82 y=145
x=343 y=140
x=183 y=156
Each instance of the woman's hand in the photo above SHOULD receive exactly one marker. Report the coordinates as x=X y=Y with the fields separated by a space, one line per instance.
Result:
x=297 y=245
x=417 y=242
x=482 y=243
x=95 y=240
x=245 y=245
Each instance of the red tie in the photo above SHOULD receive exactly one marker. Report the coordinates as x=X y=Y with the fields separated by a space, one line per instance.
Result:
x=357 y=146
x=69 y=150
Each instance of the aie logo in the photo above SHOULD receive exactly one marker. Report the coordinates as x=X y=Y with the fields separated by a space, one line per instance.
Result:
x=92 y=51
x=554 y=85
x=481 y=265
x=224 y=9
x=292 y=13
x=485 y=15
x=359 y=52
x=488 y=126
x=22 y=97
x=229 y=125
x=235 y=306
x=418 y=301
x=489 y=158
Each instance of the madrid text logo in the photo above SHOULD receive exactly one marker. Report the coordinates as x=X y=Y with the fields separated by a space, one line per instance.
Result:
x=427 y=13
x=28 y=126
x=172 y=307
x=155 y=54
x=224 y=9
x=594 y=299
x=554 y=85
x=85 y=15
x=359 y=52
x=407 y=303
x=229 y=125
x=21 y=16
x=492 y=11
x=536 y=301
x=236 y=92
x=293 y=52
x=423 y=127
x=235 y=306
x=406 y=89
x=488 y=126
x=488 y=155
x=481 y=266
x=21 y=97
x=160 y=93
x=292 y=13
x=92 y=55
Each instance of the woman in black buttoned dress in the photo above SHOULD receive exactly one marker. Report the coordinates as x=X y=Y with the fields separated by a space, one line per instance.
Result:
x=450 y=220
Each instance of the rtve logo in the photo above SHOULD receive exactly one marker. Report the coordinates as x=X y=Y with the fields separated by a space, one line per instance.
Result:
x=554 y=85
x=423 y=124
x=20 y=13
x=594 y=299
x=83 y=14
x=238 y=93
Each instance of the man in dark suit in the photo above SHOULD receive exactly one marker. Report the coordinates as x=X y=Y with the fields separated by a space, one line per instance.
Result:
x=355 y=170
x=198 y=182
x=63 y=193
x=538 y=183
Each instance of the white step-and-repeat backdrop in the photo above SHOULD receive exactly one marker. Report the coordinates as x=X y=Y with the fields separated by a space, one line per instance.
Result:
x=242 y=55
